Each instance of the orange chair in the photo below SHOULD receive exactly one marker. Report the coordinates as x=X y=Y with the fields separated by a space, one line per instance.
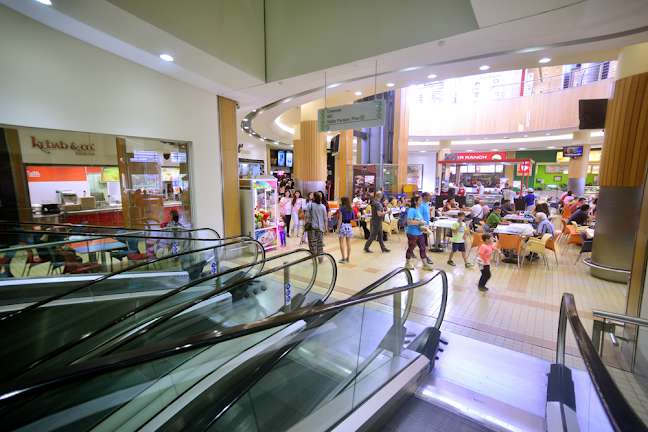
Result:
x=149 y=255
x=476 y=242
x=31 y=260
x=567 y=213
x=551 y=245
x=574 y=238
x=511 y=242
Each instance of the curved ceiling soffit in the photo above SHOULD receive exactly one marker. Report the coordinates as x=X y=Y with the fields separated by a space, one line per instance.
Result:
x=246 y=124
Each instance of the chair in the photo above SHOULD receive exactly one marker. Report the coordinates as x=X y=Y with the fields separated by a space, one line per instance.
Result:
x=567 y=231
x=476 y=242
x=146 y=256
x=332 y=223
x=390 y=227
x=551 y=245
x=123 y=253
x=72 y=266
x=587 y=245
x=485 y=227
x=574 y=238
x=567 y=213
x=32 y=260
x=538 y=246
x=511 y=242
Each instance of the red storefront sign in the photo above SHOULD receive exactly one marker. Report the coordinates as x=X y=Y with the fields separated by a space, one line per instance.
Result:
x=474 y=156
x=59 y=173
x=523 y=170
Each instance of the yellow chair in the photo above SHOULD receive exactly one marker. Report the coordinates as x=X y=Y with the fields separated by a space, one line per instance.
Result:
x=538 y=246
x=390 y=227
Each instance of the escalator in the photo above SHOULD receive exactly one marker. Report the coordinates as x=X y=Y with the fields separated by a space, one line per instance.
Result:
x=369 y=362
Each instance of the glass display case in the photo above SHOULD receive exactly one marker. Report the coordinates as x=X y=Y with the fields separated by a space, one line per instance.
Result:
x=259 y=210
x=489 y=199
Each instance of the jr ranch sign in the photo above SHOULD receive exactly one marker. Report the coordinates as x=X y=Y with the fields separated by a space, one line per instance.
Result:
x=49 y=146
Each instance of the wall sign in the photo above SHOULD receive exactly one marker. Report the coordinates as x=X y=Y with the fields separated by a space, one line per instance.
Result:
x=473 y=156
x=523 y=170
x=48 y=146
x=353 y=116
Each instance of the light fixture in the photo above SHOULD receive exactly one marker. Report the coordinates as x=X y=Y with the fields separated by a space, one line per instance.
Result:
x=253 y=110
x=494 y=150
x=45 y=2
x=484 y=67
x=276 y=142
x=485 y=138
x=431 y=76
x=551 y=147
x=422 y=151
x=470 y=150
x=166 y=57
x=505 y=137
x=390 y=84
x=526 y=136
x=522 y=148
x=245 y=127
x=245 y=119
x=358 y=93
x=544 y=60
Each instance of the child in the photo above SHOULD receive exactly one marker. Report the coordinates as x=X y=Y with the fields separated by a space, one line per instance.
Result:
x=282 y=231
x=484 y=253
x=458 y=239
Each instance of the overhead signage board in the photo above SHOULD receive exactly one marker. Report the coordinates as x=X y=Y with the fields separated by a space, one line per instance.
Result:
x=354 y=116
x=463 y=157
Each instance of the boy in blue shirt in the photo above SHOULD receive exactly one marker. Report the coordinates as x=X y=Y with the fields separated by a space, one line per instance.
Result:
x=530 y=200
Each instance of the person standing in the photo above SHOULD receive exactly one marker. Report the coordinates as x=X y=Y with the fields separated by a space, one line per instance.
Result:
x=325 y=201
x=426 y=213
x=462 y=190
x=414 y=234
x=285 y=206
x=459 y=240
x=485 y=251
x=508 y=194
x=316 y=215
x=377 y=215
x=345 y=230
x=298 y=204
x=480 y=188
x=530 y=200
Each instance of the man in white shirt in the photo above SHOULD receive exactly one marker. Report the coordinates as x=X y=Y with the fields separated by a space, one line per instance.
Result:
x=476 y=212
x=480 y=188
x=357 y=200
x=508 y=194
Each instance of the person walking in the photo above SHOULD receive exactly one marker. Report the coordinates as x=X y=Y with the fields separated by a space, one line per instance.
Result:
x=415 y=235
x=377 y=216
x=345 y=230
x=459 y=236
x=285 y=206
x=485 y=251
x=315 y=223
x=298 y=205
x=530 y=200
x=425 y=212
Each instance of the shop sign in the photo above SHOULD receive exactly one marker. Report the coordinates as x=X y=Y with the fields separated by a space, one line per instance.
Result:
x=353 y=116
x=47 y=146
x=523 y=170
x=461 y=157
x=59 y=173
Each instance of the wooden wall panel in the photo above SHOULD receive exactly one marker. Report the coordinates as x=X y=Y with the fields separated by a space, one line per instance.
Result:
x=342 y=159
x=229 y=147
x=124 y=182
x=19 y=175
x=625 y=145
x=401 y=135
x=313 y=152
x=640 y=259
x=548 y=111
x=297 y=159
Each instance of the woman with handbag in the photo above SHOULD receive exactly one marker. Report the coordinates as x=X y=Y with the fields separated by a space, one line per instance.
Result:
x=298 y=206
x=315 y=225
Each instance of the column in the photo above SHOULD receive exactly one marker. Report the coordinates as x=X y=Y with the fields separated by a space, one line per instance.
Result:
x=578 y=166
x=443 y=169
x=296 y=154
x=342 y=161
x=401 y=136
x=622 y=177
x=509 y=170
x=229 y=147
x=312 y=150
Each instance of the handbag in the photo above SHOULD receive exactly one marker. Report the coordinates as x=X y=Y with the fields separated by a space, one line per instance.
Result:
x=301 y=214
x=308 y=225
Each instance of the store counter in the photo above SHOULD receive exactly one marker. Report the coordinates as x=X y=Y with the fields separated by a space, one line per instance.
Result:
x=107 y=216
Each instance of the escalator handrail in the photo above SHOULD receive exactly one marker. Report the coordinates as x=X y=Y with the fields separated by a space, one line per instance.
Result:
x=166 y=317
x=382 y=280
x=24 y=386
x=66 y=225
x=620 y=414
x=236 y=239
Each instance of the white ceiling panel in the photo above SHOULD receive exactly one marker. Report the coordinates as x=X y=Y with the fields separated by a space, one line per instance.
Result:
x=493 y=12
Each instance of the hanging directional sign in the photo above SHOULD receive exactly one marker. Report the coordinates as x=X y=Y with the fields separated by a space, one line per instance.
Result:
x=354 y=116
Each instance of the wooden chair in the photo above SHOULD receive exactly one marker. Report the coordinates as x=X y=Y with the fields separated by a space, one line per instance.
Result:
x=511 y=242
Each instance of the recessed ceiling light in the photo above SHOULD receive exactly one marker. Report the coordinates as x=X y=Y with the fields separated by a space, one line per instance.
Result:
x=522 y=148
x=276 y=142
x=431 y=76
x=548 y=134
x=254 y=110
x=505 y=137
x=484 y=67
x=45 y=2
x=422 y=151
x=494 y=150
x=551 y=147
x=261 y=139
x=485 y=138
x=245 y=119
x=358 y=93
x=166 y=57
x=245 y=127
x=390 y=84
x=544 y=60
x=526 y=136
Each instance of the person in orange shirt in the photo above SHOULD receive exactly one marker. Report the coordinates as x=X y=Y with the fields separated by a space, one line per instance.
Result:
x=484 y=253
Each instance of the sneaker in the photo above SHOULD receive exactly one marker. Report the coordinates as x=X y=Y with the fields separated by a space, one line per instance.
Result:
x=468 y=265
x=409 y=266
x=482 y=287
x=368 y=251
x=386 y=250
x=429 y=261
x=346 y=260
x=451 y=263
x=428 y=267
x=342 y=261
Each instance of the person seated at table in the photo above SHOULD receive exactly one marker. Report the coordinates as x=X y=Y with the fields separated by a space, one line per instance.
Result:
x=476 y=214
x=581 y=217
x=507 y=207
x=494 y=218
x=544 y=225
x=175 y=222
x=393 y=203
x=576 y=204
x=166 y=221
x=358 y=199
x=450 y=205
x=485 y=209
x=363 y=222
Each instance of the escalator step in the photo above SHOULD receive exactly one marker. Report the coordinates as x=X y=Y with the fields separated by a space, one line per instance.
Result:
x=418 y=415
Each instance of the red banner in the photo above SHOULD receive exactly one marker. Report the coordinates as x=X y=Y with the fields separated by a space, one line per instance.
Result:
x=59 y=173
x=475 y=156
x=523 y=170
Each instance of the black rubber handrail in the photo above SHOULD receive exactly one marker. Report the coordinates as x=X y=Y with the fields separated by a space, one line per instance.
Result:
x=174 y=312
x=233 y=240
x=66 y=225
x=620 y=414
x=25 y=386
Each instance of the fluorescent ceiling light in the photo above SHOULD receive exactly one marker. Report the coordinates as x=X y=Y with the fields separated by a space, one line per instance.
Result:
x=45 y=2
x=390 y=84
x=422 y=151
x=522 y=148
x=166 y=57
x=358 y=93
x=245 y=127
x=494 y=150
x=245 y=119
x=551 y=147
x=485 y=138
x=544 y=60
x=431 y=76
x=484 y=67
x=517 y=140
x=470 y=150
x=548 y=134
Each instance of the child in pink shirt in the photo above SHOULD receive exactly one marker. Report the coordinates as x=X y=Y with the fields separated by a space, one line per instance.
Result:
x=484 y=253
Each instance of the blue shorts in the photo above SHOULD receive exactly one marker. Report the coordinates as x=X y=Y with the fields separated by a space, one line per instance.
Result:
x=458 y=247
x=346 y=230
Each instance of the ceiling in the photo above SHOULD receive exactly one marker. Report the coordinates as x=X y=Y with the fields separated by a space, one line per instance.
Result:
x=217 y=44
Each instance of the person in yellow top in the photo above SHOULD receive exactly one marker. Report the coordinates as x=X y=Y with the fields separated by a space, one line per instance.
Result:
x=459 y=235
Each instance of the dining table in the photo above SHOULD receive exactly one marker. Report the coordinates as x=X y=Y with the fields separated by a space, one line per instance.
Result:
x=519 y=219
x=506 y=229
x=91 y=247
x=441 y=224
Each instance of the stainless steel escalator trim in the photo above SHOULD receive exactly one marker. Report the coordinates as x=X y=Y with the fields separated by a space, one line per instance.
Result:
x=234 y=240
x=24 y=386
x=620 y=414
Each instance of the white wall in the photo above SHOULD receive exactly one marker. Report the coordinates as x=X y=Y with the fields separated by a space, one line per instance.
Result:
x=51 y=80
x=254 y=151
x=429 y=162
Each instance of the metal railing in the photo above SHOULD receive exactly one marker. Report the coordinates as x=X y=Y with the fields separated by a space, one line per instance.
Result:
x=620 y=414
